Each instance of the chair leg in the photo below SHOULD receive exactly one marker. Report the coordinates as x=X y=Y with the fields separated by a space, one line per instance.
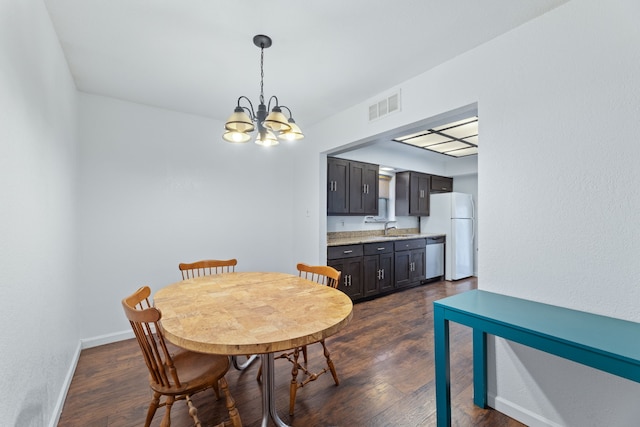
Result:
x=234 y=415
x=193 y=412
x=304 y=354
x=293 y=388
x=259 y=374
x=153 y=406
x=166 y=420
x=330 y=364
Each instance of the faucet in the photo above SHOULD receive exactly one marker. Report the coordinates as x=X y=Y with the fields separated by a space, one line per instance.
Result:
x=386 y=227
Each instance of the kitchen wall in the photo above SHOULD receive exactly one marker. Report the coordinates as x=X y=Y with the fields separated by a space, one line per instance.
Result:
x=38 y=157
x=558 y=188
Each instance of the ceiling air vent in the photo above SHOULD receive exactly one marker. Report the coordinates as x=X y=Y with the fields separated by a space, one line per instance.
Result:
x=384 y=107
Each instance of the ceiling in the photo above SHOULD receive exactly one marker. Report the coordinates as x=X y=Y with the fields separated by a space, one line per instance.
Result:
x=198 y=57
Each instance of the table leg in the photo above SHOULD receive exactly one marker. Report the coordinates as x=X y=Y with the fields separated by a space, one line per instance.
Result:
x=441 y=347
x=268 y=392
x=479 y=368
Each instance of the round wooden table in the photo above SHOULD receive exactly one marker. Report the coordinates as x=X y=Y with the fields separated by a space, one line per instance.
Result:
x=251 y=313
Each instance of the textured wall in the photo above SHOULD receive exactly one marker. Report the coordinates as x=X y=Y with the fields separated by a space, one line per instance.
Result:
x=37 y=216
x=558 y=188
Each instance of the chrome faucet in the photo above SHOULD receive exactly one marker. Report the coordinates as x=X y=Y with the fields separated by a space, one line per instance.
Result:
x=387 y=228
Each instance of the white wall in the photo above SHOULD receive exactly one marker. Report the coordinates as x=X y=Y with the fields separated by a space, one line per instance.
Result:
x=558 y=183
x=38 y=307
x=159 y=188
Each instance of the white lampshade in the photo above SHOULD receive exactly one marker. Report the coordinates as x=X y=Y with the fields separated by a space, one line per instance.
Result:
x=239 y=121
x=236 y=137
x=276 y=121
x=292 y=134
x=267 y=139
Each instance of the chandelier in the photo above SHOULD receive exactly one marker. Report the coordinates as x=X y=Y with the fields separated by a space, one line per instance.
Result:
x=271 y=127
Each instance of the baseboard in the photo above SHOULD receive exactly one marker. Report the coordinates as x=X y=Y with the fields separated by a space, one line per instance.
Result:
x=57 y=410
x=82 y=344
x=106 y=339
x=519 y=413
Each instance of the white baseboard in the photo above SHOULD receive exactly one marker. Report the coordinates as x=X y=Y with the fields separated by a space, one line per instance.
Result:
x=57 y=410
x=106 y=339
x=519 y=413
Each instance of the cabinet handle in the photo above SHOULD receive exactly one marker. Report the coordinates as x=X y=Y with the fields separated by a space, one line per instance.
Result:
x=335 y=185
x=367 y=186
x=347 y=252
x=382 y=271
x=349 y=280
x=381 y=249
x=346 y=280
x=378 y=274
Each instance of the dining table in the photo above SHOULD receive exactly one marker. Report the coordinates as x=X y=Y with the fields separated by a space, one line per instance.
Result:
x=244 y=313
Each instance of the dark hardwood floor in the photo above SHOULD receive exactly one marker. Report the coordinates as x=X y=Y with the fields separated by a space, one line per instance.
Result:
x=384 y=359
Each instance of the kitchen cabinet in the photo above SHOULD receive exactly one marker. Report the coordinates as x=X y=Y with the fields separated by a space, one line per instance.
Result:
x=412 y=193
x=348 y=260
x=352 y=187
x=409 y=262
x=363 y=188
x=337 y=186
x=441 y=184
x=378 y=265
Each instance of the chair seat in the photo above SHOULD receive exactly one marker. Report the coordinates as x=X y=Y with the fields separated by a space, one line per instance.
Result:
x=197 y=372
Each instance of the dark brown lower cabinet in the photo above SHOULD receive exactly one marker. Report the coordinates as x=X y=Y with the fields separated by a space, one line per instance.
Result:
x=409 y=262
x=378 y=268
x=348 y=260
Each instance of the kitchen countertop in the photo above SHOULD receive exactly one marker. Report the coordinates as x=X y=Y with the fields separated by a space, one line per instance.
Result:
x=355 y=238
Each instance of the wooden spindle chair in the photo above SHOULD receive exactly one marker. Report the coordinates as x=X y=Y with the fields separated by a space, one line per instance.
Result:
x=323 y=275
x=175 y=376
x=209 y=268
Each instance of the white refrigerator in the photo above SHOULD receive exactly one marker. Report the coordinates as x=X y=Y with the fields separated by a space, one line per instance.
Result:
x=453 y=214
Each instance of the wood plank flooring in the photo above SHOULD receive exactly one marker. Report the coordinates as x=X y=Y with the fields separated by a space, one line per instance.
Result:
x=384 y=359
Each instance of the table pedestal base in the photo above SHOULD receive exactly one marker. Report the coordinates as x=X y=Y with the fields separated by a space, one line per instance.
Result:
x=268 y=392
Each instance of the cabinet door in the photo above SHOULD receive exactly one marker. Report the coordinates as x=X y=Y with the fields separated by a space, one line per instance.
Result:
x=441 y=184
x=356 y=187
x=371 y=180
x=337 y=186
x=419 y=194
x=371 y=275
x=418 y=266
x=351 y=278
x=402 y=269
x=385 y=265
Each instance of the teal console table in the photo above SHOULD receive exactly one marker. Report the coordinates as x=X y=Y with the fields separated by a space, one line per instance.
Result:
x=605 y=343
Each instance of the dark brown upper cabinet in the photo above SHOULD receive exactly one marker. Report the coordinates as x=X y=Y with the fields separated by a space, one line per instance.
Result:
x=352 y=187
x=441 y=184
x=412 y=193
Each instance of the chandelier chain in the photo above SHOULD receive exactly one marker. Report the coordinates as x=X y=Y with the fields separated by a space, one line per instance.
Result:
x=262 y=73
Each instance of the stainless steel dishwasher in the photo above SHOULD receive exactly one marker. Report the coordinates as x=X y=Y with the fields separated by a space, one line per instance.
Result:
x=435 y=257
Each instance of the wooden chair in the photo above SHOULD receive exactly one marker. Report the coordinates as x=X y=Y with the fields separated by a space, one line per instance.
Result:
x=208 y=268
x=175 y=376
x=323 y=275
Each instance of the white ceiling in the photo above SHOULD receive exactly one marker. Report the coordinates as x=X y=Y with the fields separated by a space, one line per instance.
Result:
x=198 y=57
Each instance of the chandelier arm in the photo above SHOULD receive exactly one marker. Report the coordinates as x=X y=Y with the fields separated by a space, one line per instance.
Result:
x=287 y=108
x=249 y=110
x=269 y=105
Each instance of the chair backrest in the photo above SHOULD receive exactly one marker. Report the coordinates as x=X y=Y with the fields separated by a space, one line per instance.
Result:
x=207 y=268
x=144 y=321
x=322 y=274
